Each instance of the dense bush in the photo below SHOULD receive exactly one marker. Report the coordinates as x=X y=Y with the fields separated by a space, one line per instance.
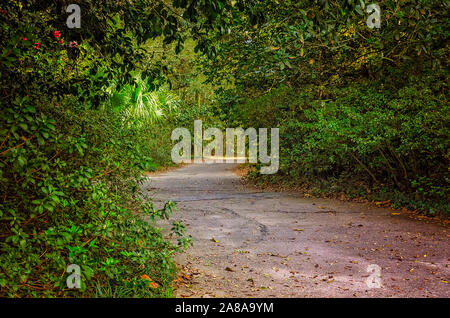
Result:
x=360 y=110
x=69 y=195
x=361 y=136
x=71 y=160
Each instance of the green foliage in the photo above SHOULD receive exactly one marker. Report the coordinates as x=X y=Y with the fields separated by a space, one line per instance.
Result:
x=141 y=104
x=70 y=169
x=271 y=42
x=362 y=135
x=72 y=198
x=360 y=110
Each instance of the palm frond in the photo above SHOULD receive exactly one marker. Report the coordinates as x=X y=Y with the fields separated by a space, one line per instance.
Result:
x=142 y=105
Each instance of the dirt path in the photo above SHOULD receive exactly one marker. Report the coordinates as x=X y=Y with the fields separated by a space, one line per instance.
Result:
x=265 y=244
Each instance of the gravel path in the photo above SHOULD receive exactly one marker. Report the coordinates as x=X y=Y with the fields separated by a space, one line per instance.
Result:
x=250 y=243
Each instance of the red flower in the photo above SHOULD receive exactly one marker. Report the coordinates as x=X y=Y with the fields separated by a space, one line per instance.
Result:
x=37 y=45
x=24 y=39
x=60 y=41
x=73 y=44
x=56 y=34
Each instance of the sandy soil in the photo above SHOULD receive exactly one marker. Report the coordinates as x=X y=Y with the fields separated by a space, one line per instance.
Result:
x=251 y=243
